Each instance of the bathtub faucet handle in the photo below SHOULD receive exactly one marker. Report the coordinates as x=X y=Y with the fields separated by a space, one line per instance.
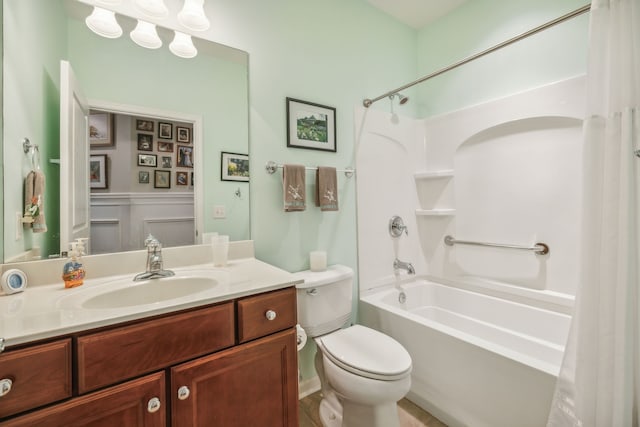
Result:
x=396 y=227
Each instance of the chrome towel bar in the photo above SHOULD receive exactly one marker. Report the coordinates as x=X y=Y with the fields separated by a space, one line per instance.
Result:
x=271 y=167
x=538 y=248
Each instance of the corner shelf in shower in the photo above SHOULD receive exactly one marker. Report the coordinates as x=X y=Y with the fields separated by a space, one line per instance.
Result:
x=435 y=212
x=436 y=174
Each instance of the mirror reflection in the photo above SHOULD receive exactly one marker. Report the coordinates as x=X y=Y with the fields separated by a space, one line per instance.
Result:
x=152 y=112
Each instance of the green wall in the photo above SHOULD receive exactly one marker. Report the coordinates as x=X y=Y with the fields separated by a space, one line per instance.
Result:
x=555 y=54
x=31 y=75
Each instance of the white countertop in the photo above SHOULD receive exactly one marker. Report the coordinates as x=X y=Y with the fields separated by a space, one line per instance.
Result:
x=45 y=311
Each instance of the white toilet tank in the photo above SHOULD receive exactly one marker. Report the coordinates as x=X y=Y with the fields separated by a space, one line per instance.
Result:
x=324 y=299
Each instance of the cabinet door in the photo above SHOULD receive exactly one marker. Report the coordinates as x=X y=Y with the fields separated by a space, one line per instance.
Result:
x=254 y=384
x=127 y=405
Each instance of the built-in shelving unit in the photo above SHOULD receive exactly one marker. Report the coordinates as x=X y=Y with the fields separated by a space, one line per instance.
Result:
x=430 y=186
x=444 y=173
x=435 y=212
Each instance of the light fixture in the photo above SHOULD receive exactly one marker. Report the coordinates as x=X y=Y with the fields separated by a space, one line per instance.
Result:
x=103 y=22
x=152 y=8
x=108 y=2
x=192 y=15
x=145 y=35
x=182 y=46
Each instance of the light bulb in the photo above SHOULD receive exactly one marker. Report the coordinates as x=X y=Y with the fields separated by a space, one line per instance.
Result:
x=182 y=46
x=145 y=35
x=103 y=22
x=152 y=8
x=192 y=15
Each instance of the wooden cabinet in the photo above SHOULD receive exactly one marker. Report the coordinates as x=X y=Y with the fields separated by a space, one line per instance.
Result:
x=35 y=376
x=136 y=403
x=230 y=364
x=117 y=354
x=253 y=384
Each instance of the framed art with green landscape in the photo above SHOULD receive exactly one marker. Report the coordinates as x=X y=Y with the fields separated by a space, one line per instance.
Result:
x=311 y=126
x=234 y=167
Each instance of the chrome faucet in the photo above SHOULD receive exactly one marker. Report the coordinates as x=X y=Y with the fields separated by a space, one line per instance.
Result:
x=154 y=268
x=399 y=265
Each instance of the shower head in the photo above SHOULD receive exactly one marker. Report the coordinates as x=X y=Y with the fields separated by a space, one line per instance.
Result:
x=401 y=98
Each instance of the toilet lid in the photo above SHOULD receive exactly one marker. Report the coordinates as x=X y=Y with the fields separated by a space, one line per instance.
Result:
x=367 y=352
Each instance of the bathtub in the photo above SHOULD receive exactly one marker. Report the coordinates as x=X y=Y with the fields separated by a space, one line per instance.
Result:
x=477 y=360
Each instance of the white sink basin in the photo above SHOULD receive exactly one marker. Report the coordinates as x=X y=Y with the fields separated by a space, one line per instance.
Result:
x=126 y=293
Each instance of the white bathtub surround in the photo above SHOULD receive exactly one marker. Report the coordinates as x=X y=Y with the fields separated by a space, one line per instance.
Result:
x=508 y=171
x=601 y=372
x=478 y=360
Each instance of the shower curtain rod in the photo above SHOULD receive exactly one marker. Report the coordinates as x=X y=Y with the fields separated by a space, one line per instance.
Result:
x=367 y=102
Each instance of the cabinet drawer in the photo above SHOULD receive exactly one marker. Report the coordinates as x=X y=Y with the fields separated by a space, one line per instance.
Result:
x=137 y=403
x=115 y=355
x=39 y=375
x=253 y=321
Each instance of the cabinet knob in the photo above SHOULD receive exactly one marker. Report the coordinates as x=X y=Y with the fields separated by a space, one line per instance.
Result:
x=153 y=405
x=5 y=386
x=270 y=315
x=183 y=392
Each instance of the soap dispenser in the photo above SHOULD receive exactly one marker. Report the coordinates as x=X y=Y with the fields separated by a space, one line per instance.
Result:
x=73 y=273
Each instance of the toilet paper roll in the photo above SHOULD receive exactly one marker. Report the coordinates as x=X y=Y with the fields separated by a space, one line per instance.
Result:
x=301 y=337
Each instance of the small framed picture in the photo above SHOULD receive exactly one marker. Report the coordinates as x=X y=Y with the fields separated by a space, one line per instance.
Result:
x=311 y=126
x=183 y=134
x=98 y=171
x=166 y=162
x=143 y=177
x=149 y=160
x=166 y=147
x=145 y=142
x=235 y=167
x=185 y=156
x=192 y=181
x=101 y=129
x=165 y=130
x=161 y=179
x=144 y=125
x=182 y=178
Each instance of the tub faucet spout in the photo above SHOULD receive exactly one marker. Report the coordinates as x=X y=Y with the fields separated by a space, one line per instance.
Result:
x=399 y=265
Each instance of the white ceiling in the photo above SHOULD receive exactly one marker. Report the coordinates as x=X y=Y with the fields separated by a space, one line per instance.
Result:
x=416 y=13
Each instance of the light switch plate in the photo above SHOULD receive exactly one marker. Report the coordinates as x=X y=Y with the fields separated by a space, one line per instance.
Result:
x=219 y=212
x=19 y=225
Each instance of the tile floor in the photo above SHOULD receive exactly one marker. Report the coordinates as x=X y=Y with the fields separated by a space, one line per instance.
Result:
x=410 y=414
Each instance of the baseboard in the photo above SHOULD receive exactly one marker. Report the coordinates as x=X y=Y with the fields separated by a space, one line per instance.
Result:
x=307 y=387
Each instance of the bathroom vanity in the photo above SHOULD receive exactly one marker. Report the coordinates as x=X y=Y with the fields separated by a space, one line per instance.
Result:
x=224 y=357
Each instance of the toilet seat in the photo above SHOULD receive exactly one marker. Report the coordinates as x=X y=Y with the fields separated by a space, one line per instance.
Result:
x=366 y=352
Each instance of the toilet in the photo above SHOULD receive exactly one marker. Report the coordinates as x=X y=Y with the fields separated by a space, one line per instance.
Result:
x=363 y=372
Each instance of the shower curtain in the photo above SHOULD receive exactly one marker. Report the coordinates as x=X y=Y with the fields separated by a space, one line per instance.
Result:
x=599 y=382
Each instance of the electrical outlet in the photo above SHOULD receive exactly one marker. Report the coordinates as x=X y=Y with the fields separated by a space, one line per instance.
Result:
x=219 y=212
x=19 y=225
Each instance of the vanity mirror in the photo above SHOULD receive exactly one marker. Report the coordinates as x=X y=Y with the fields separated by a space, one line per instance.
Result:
x=205 y=96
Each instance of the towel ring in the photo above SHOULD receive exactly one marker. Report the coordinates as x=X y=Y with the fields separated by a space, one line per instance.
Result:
x=27 y=147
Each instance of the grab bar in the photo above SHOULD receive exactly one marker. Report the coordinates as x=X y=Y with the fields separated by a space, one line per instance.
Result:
x=538 y=248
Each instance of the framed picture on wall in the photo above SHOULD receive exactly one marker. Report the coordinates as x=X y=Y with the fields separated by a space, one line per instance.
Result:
x=235 y=167
x=185 y=156
x=182 y=178
x=98 y=171
x=166 y=162
x=162 y=179
x=165 y=130
x=144 y=125
x=101 y=129
x=183 y=134
x=149 y=160
x=143 y=177
x=165 y=147
x=145 y=142
x=311 y=126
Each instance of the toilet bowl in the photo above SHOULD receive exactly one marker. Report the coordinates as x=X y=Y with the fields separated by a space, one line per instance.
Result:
x=363 y=372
